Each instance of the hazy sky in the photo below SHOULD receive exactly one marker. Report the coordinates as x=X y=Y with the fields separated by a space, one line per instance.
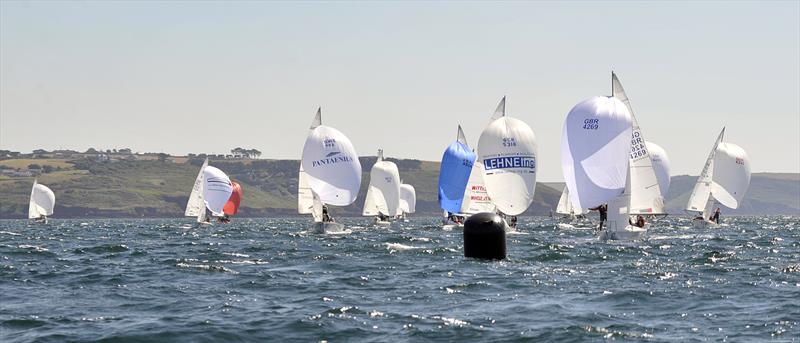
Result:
x=184 y=77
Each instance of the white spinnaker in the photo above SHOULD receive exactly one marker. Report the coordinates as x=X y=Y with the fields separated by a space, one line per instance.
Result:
x=383 y=195
x=661 y=165
x=731 y=174
x=595 y=150
x=331 y=165
x=565 y=205
x=408 y=199
x=217 y=189
x=41 y=202
x=507 y=149
x=476 y=200
x=702 y=189
x=195 y=206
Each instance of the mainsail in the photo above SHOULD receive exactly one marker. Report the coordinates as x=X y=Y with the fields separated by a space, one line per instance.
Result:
x=507 y=149
x=454 y=172
x=41 y=202
x=195 y=206
x=330 y=164
x=476 y=200
x=565 y=205
x=383 y=195
x=645 y=194
x=701 y=194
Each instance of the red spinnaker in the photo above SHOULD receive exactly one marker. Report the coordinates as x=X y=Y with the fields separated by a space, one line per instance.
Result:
x=232 y=206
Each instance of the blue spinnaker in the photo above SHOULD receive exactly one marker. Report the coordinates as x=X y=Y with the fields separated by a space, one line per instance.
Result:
x=453 y=175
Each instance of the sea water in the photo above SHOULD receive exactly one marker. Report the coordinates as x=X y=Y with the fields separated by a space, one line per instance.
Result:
x=167 y=280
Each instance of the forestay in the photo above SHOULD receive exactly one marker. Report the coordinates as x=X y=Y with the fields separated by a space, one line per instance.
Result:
x=42 y=201
x=731 y=174
x=454 y=173
x=661 y=165
x=331 y=165
x=195 y=206
x=595 y=150
x=507 y=149
x=217 y=189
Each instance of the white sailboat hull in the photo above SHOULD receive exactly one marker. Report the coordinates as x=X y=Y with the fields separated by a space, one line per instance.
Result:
x=704 y=224
x=328 y=228
x=629 y=233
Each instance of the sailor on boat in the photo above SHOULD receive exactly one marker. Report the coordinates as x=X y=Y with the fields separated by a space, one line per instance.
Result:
x=639 y=221
x=715 y=218
x=326 y=217
x=603 y=209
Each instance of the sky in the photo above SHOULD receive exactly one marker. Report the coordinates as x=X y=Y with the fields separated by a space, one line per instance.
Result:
x=205 y=77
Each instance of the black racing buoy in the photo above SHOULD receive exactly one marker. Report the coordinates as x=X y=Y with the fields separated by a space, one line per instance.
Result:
x=485 y=236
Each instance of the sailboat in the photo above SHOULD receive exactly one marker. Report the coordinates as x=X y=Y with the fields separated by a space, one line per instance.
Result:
x=383 y=195
x=567 y=209
x=330 y=174
x=507 y=150
x=212 y=189
x=454 y=173
x=725 y=178
x=408 y=201
x=41 y=203
x=604 y=160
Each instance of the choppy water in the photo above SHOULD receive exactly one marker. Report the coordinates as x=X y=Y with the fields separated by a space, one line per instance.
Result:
x=256 y=280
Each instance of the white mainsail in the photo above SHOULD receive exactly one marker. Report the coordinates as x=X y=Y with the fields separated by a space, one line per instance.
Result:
x=383 y=195
x=217 y=189
x=408 y=199
x=42 y=201
x=645 y=194
x=307 y=201
x=595 y=150
x=507 y=149
x=701 y=194
x=330 y=164
x=661 y=165
x=476 y=200
x=196 y=206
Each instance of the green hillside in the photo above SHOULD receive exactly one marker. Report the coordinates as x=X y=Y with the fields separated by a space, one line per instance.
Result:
x=153 y=188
